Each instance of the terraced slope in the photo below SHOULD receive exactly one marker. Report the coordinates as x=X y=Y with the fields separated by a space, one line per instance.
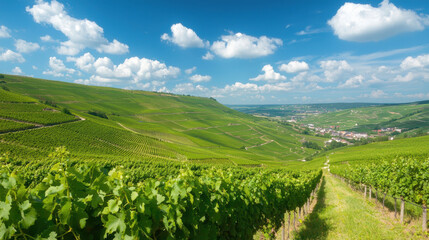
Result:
x=111 y=123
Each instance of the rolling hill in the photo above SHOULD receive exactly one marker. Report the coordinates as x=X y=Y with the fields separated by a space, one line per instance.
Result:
x=410 y=117
x=109 y=123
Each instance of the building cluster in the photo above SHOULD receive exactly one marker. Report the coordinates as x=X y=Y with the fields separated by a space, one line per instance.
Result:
x=388 y=130
x=335 y=133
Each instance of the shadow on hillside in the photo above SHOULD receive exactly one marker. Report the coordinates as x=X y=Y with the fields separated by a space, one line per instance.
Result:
x=314 y=227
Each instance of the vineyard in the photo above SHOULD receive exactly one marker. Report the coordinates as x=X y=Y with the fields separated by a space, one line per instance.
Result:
x=210 y=203
x=109 y=123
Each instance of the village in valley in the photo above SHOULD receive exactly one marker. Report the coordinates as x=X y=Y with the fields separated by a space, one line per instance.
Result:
x=342 y=136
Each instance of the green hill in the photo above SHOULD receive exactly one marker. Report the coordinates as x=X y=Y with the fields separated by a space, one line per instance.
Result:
x=109 y=123
x=410 y=117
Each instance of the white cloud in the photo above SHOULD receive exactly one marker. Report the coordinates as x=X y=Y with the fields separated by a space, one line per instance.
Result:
x=81 y=33
x=190 y=70
x=294 y=66
x=23 y=46
x=413 y=95
x=187 y=88
x=363 y=23
x=352 y=82
x=208 y=56
x=417 y=62
x=269 y=75
x=333 y=69
x=17 y=71
x=240 y=45
x=309 y=31
x=200 y=78
x=183 y=36
x=34 y=67
x=85 y=62
x=57 y=68
x=134 y=68
x=407 y=78
x=4 y=32
x=11 y=56
x=47 y=38
x=114 y=47
x=376 y=94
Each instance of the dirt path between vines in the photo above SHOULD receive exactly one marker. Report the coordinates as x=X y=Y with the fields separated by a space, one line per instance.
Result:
x=342 y=213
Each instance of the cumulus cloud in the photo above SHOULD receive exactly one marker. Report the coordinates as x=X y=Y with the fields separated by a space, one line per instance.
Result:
x=352 y=82
x=11 y=56
x=47 y=38
x=294 y=66
x=200 y=78
x=417 y=62
x=84 y=62
x=4 y=32
x=81 y=33
x=57 y=68
x=134 y=69
x=23 y=46
x=190 y=70
x=407 y=78
x=269 y=75
x=208 y=56
x=183 y=37
x=187 y=88
x=376 y=94
x=333 y=69
x=363 y=23
x=241 y=88
x=240 y=45
x=17 y=71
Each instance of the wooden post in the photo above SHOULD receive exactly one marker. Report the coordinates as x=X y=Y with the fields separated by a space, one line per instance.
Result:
x=384 y=198
x=395 y=208
x=288 y=226
x=376 y=193
x=294 y=217
x=283 y=230
x=424 y=216
x=370 y=193
x=402 y=209
x=299 y=213
x=308 y=205
x=365 y=192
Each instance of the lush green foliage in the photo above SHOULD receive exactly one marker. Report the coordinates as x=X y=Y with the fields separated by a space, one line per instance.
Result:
x=309 y=144
x=98 y=114
x=401 y=177
x=76 y=202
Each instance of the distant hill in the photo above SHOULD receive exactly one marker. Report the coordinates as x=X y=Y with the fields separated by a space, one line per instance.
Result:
x=297 y=110
x=99 y=122
x=413 y=117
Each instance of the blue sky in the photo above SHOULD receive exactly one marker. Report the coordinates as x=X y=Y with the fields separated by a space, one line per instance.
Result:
x=240 y=52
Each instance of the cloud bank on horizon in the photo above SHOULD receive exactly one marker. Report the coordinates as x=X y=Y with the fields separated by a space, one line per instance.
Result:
x=351 y=52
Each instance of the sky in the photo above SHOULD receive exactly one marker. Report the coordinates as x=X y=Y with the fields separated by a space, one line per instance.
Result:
x=239 y=52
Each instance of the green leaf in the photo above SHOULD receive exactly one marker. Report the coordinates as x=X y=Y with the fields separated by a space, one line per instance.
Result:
x=134 y=195
x=115 y=224
x=54 y=190
x=112 y=206
x=64 y=213
x=5 y=210
x=28 y=214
